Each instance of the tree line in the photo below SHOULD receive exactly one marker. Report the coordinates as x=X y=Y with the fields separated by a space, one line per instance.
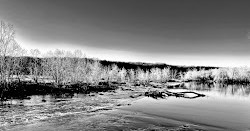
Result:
x=61 y=66
x=220 y=75
x=65 y=67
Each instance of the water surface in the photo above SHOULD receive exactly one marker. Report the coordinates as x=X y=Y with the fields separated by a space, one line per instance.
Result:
x=225 y=107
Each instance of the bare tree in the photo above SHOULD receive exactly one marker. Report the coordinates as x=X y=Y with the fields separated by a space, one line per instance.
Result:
x=34 y=68
x=95 y=72
x=19 y=64
x=114 y=73
x=155 y=74
x=122 y=75
x=8 y=49
x=173 y=74
x=165 y=74
x=143 y=76
x=57 y=66
x=78 y=53
x=131 y=75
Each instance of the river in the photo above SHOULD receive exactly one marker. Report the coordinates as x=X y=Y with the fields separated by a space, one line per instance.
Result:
x=225 y=107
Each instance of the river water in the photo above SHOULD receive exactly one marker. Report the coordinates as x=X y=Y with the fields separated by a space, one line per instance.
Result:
x=225 y=107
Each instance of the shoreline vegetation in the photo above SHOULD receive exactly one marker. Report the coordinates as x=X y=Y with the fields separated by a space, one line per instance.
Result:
x=64 y=71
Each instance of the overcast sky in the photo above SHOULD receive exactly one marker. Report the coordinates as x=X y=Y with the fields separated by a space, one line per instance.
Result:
x=182 y=32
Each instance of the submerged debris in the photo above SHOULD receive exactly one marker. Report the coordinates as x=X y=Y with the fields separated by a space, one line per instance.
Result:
x=136 y=95
x=162 y=94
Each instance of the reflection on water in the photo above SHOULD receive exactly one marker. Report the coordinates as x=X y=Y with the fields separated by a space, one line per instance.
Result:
x=226 y=107
x=42 y=99
x=225 y=90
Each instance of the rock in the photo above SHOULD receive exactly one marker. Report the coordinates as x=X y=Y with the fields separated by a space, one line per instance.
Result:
x=174 y=80
x=119 y=105
x=135 y=95
x=106 y=83
x=126 y=89
x=91 y=94
x=174 y=84
x=155 y=94
x=155 y=85
x=163 y=93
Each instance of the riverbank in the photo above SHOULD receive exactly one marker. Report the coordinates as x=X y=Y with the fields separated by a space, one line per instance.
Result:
x=21 y=86
x=21 y=90
x=24 y=87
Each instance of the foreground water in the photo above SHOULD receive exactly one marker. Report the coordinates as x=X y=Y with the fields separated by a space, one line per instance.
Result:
x=225 y=107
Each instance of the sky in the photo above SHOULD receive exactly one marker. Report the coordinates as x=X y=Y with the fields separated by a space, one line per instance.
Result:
x=178 y=32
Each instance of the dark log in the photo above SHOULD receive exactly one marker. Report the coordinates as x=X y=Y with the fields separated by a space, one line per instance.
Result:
x=162 y=94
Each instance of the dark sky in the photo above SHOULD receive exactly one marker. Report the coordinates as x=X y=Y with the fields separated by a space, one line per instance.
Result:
x=186 y=32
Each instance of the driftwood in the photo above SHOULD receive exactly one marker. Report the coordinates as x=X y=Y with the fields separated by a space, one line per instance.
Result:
x=169 y=85
x=172 y=85
x=136 y=95
x=162 y=94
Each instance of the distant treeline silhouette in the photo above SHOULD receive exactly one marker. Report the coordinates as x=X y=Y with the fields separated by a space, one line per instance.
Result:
x=148 y=66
